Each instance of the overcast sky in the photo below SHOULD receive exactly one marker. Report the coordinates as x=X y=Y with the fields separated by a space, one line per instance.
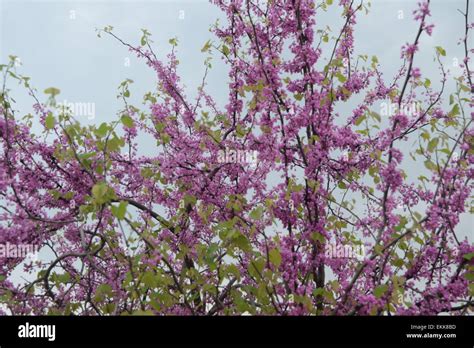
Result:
x=58 y=46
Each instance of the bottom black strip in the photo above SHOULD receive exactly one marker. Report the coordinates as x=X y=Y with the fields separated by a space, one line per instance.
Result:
x=291 y=331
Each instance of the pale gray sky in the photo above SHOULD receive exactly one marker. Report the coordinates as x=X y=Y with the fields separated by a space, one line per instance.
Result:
x=58 y=46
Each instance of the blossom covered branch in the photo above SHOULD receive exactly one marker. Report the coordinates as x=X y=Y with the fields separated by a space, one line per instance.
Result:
x=251 y=206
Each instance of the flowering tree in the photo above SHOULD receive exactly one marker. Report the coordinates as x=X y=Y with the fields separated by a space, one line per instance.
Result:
x=251 y=207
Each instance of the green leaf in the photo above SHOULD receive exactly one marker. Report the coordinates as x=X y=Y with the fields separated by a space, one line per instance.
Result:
x=159 y=126
x=430 y=165
x=50 y=121
x=469 y=276
x=190 y=200
x=275 y=257
x=115 y=143
x=451 y=99
x=86 y=156
x=465 y=88
x=102 y=291
x=242 y=242
x=120 y=211
x=316 y=236
x=149 y=280
x=433 y=144
x=233 y=269
x=257 y=213
x=146 y=173
x=319 y=291
x=206 y=46
x=53 y=91
x=211 y=252
x=359 y=120
x=468 y=256
x=99 y=190
x=378 y=249
x=255 y=267
x=454 y=111
x=173 y=41
x=441 y=50
x=165 y=138
x=127 y=121
x=63 y=278
x=102 y=130
x=102 y=193
x=342 y=185
x=398 y=263
x=375 y=116
x=225 y=50
x=341 y=77
x=380 y=290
